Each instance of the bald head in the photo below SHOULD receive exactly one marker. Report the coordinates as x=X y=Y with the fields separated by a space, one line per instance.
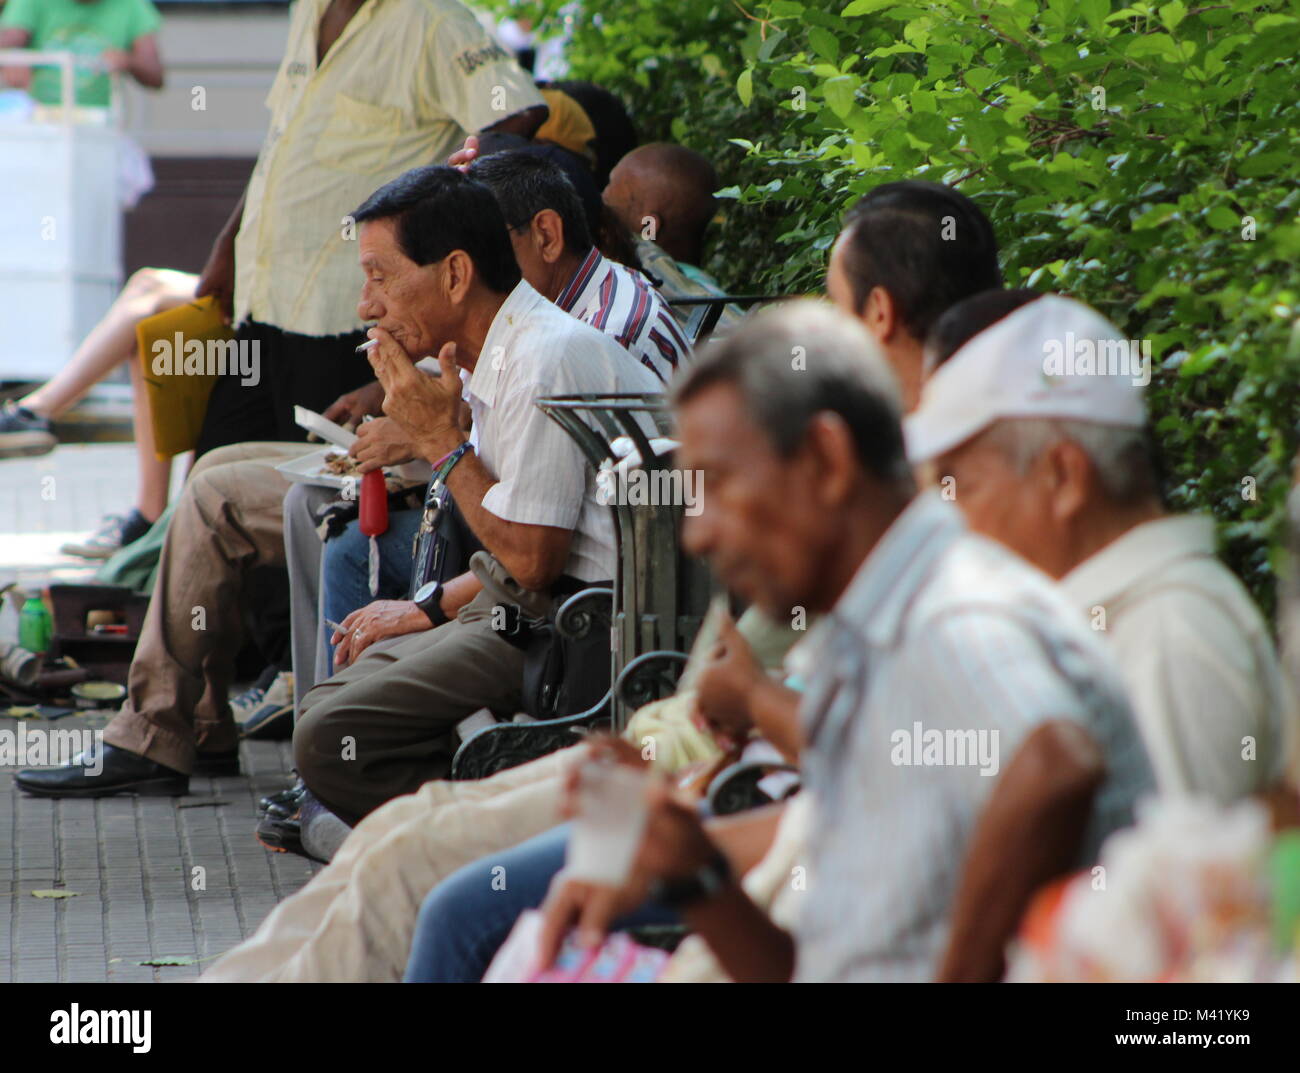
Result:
x=665 y=192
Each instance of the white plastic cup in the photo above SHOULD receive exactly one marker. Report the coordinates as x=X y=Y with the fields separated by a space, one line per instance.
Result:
x=611 y=820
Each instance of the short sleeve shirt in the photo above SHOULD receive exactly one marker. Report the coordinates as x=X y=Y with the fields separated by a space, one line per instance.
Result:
x=534 y=349
x=941 y=656
x=401 y=87
x=86 y=29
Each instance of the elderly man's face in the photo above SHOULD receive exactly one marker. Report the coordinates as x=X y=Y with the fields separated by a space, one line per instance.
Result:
x=760 y=528
x=402 y=297
x=997 y=500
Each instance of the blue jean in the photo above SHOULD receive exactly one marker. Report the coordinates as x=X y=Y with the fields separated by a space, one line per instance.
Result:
x=466 y=918
x=346 y=576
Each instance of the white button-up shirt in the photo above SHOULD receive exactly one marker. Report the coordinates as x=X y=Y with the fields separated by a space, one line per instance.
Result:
x=943 y=653
x=534 y=350
x=1195 y=653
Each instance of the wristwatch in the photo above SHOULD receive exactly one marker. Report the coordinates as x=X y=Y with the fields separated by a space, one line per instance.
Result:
x=428 y=598
x=699 y=886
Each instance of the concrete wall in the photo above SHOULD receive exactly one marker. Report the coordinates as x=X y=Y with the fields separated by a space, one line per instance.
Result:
x=231 y=55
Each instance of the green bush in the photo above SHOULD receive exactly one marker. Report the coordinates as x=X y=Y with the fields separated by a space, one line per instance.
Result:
x=1141 y=158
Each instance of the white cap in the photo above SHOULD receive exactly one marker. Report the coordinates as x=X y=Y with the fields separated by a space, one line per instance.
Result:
x=1053 y=357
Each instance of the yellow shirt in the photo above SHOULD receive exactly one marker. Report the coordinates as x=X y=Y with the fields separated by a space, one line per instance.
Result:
x=402 y=86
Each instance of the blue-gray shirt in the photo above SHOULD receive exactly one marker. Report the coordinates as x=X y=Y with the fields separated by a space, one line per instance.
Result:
x=943 y=653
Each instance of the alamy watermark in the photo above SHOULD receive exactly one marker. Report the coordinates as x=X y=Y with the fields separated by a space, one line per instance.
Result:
x=921 y=747
x=651 y=488
x=37 y=746
x=208 y=357
x=1098 y=357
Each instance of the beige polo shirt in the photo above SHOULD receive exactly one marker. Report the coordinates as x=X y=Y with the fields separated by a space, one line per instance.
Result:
x=1195 y=654
x=402 y=86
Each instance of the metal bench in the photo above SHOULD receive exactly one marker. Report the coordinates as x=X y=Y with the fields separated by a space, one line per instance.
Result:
x=657 y=603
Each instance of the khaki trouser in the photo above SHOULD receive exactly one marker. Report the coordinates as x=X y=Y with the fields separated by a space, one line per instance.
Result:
x=383 y=726
x=354 y=921
x=227 y=521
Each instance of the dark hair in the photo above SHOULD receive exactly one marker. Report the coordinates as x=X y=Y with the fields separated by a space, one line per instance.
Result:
x=615 y=133
x=840 y=371
x=926 y=244
x=524 y=183
x=437 y=209
x=962 y=322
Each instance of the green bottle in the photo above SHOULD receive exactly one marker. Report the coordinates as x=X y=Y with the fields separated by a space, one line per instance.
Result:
x=34 y=625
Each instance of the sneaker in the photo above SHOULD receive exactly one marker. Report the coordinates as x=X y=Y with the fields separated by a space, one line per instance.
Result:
x=23 y=432
x=114 y=534
x=282 y=834
x=271 y=717
x=284 y=804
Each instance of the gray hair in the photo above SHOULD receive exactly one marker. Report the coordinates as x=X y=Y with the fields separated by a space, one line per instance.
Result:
x=794 y=361
x=1121 y=455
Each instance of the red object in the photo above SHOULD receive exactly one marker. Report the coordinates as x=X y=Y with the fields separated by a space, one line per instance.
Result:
x=374 y=504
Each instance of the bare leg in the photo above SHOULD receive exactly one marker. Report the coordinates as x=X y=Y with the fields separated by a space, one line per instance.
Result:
x=112 y=341
x=155 y=475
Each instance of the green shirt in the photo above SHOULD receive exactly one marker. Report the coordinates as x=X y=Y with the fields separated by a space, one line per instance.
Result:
x=88 y=29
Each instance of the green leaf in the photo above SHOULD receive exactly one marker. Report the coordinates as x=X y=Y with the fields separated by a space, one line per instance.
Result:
x=171 y=959
x=1094 y=13
x=839 y=94
x=824 y=43
x=1173 y=13
x=866 y=7
x=1222 y=218
x=745 y=86
x=1263 y=164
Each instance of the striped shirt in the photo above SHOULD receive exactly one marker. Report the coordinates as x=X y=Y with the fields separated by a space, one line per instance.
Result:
x=942 y=654
x=533 y=350
x=676 y=279
x=620 y=302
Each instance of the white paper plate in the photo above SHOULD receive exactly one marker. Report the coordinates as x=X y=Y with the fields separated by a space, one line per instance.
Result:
x=307 y=470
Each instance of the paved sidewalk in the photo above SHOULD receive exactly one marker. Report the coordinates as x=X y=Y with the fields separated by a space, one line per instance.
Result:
x=132 y=863
x=154 y=877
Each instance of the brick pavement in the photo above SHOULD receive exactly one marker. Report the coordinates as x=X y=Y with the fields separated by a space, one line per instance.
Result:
x=131 y=861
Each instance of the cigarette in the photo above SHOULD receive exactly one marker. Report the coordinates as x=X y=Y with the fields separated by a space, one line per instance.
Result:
x=369 y=344
x=337 y=628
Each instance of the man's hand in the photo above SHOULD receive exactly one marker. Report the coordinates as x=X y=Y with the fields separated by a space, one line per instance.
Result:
x=381 y=443
x=673 y=845
x=426 y=407
x=376 y=622
x=589 y=907
x=349 y=409
x=724 y=688
x=462 y=158
x=218 y=276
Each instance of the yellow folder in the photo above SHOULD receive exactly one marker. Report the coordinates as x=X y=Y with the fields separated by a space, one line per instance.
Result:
x=177 y=378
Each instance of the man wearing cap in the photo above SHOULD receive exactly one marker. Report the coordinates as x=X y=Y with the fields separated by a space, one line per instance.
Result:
x=1036 y=426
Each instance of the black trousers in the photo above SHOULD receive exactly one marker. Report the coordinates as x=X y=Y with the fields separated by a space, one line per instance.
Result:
x=292 y=370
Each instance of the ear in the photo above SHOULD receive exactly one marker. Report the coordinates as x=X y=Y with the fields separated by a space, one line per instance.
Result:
x=457 y=276
x=548 y=235
x=1072 y=480
x=832 y=459
x=880 y=314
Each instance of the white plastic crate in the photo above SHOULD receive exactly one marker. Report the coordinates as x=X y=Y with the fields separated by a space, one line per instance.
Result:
x=60 y=235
